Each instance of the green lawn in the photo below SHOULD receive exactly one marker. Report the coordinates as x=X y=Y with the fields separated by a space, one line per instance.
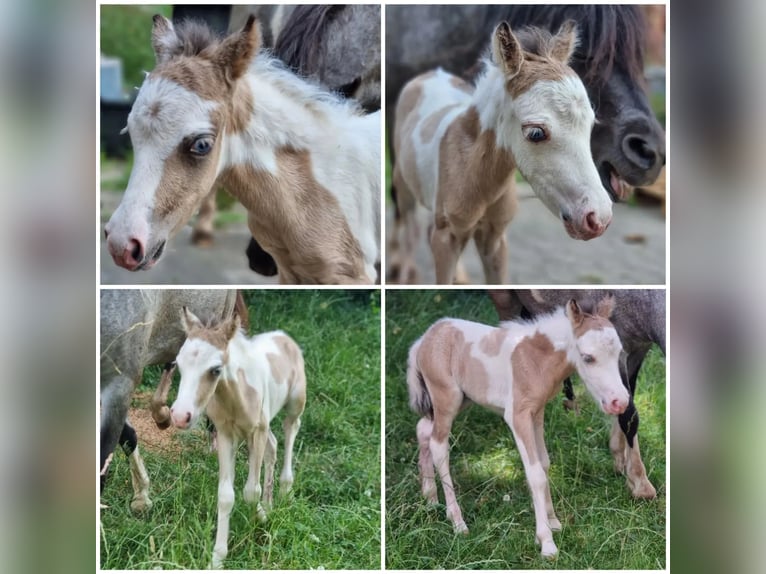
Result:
x=332 y=520
x=604 y=528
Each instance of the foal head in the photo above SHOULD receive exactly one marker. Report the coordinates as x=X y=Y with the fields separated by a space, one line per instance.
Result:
x=201 y=362
x=177 y=123
x=596 y=354
x=546 y=120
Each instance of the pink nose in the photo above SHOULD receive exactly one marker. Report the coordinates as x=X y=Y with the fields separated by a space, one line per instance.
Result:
x=592 y=226
x=129 y=255
x=618 y=406
x=180 y=420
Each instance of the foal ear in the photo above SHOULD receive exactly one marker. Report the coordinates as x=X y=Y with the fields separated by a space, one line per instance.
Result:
x=564 y=43
x=164 y=39
x=189 y=320
x=236 y=52
x=506 y=50
x=232 y=327
x=574 y=312
x=605 y=307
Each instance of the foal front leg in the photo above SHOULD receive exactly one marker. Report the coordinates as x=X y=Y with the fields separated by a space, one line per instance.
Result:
x=523 y=428
x=256 y=445
x=491 y=241
x=545 y=461
x=446 y=246
x=226 y=452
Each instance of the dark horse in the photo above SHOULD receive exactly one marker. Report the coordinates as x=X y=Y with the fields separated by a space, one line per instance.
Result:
x=339 y=46
x=628 y=144
x=639 y=318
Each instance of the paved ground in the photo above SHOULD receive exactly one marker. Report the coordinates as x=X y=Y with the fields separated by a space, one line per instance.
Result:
x=632 y=251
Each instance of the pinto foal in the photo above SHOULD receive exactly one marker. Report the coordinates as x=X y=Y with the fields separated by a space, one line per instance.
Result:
x=514 y=371
x=304 y=163
x=241 y=383
x=457 y=148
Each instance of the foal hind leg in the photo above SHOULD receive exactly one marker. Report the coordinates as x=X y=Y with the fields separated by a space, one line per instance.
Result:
x=270 y=459
x=256 y=445
x=425 y=460
x=202 y=234
x=291 y=426
x=545 y=461
x=449 y=403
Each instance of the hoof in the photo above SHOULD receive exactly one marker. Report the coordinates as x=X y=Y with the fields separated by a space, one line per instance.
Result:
x=554 y=524
x=261 y=514
x=461 y=528
x=549 y=550
x=201 y=238
x=141 y=505
x=643 y=489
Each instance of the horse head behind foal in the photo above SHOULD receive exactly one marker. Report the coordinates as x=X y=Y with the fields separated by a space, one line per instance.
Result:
x=241 y=383
x=513 y=370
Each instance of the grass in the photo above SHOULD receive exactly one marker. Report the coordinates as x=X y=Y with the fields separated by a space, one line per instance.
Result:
x=604 y=528
x=332 y=519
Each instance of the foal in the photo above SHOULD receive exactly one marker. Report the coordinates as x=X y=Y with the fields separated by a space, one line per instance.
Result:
x=241 y=384
x=304 y=163
x=514 y=371
x=457 y=148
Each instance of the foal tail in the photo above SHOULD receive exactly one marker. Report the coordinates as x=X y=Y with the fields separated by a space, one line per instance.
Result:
x=420 y=398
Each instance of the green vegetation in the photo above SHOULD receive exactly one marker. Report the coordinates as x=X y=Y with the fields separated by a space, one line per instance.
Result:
x=126 y=32
x=332 y=519
x=604 y=528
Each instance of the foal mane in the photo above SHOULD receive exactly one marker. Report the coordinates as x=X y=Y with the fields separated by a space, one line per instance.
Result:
x=194 y=38
x=608 y=35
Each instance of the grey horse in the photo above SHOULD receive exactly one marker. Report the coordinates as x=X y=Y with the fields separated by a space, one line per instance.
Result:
x=639 y=318
x=141 y=328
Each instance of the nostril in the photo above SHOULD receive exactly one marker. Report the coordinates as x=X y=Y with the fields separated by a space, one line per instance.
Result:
x=188 y=418
x=134 y=251
x=640 y=151
x=106 y=234
x=616 y=405
x=591 y=224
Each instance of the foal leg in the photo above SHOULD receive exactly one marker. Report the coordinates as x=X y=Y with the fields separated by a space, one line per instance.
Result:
x=545 y=461
x=270 y=458
x=291 y=425
x=426 y=461
x=491 y=242
x=446 y=246
x=226 y=452
x=256 y=445
x=202 y=234
x=523 y=428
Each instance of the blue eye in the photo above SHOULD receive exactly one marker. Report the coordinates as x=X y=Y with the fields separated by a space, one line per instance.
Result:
x=202 y=145
x=536 y=134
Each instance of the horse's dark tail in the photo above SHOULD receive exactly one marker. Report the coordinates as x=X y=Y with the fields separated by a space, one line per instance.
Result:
x=240 y=308
x=420 y=398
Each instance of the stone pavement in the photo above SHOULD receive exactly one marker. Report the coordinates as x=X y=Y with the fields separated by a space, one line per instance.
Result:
x=631 y=251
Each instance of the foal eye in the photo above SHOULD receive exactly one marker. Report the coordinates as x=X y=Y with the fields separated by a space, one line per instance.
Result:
x=589 y=359
x=215 y=371
x=202 y=146
x=535 y=134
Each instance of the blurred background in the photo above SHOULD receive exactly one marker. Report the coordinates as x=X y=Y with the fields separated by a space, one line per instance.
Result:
x=715 y=129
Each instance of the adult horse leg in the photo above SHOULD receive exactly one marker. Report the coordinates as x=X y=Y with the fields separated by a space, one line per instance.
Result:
x=425 y=460
x=202 y=234
x=159 y=404
x=523 y=427
x=624 y=440
x=545 y=461
x=139 y=478
x=256 y=446
x=115 y=400
x=226 y=455
x=491 y=242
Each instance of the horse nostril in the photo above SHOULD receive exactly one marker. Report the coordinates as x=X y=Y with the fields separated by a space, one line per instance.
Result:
x=188 y=418
x=616 y=405
x=640 y=151
x=591 y=224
